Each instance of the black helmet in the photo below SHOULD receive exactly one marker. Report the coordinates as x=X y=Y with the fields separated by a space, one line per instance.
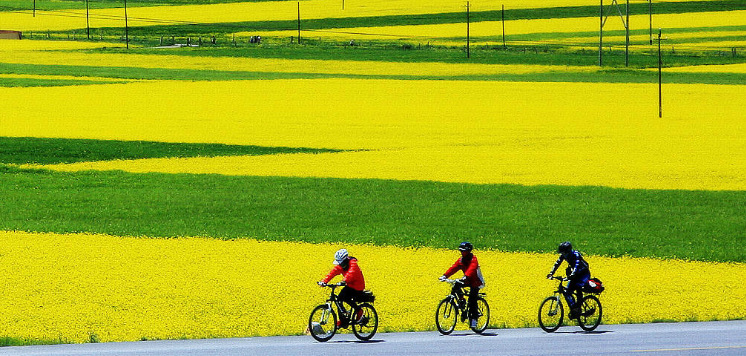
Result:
x=465 y=246
x=564 y=247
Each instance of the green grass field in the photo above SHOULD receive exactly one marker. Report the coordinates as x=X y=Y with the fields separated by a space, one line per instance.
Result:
x=605 y=221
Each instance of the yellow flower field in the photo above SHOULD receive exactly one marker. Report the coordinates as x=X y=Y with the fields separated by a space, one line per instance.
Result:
x=521 y=133
x=52 y=53
x=444 y=33
x=74 y=287
x=253 y=11
x=727 y=68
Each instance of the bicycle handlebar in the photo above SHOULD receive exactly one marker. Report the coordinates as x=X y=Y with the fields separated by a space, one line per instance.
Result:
x=334 y=285
x=452 y=281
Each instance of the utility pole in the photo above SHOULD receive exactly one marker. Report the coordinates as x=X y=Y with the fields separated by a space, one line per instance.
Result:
x=650 y=13
x=87 y=22
x=503 y=22
x=660 y=77
x=126 y=26
x=298 y=22
x=468 y=54
x=602 y=22
x=626 y=27
x=601 y=36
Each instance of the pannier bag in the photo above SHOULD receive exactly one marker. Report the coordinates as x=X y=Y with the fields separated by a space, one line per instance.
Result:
x=593 y=285
x=367 y=296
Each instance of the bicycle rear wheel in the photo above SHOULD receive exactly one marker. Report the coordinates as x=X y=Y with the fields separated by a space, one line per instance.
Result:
x=551 y=313
x=483 y=316
x=322 y=324
x=590 y=313
x=366 y=327
x=446 y=316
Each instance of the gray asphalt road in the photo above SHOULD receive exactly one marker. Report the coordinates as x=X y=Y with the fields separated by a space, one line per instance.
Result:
x=690 y=339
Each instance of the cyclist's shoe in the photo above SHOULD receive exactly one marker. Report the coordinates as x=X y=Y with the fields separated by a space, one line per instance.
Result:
x=588 y=312
x=358 y=316
x=464 y=316
x=574 y=313
x=473 y=323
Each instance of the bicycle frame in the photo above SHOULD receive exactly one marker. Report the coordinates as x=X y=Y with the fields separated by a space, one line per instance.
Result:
x=560 y=292
x=333 y=300
x=458 y=294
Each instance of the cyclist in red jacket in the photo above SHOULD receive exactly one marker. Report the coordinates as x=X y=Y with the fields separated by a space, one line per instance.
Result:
x=347 y=266
x=472 y=277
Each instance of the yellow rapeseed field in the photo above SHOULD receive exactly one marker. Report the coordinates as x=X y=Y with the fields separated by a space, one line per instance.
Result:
x=52 y=53
x=252 y=11
x=270 y=11
x=521 y=133
x=75 y=287
x=491 y=31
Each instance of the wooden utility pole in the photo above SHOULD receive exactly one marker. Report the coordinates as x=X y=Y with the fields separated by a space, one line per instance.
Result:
x=650 y=14
x=660 y=77
x=87 y=21
x=626 y=27
x=503 y=23
x=601 y=36
x=126 y=26
x=468 y=54
x=298 y=22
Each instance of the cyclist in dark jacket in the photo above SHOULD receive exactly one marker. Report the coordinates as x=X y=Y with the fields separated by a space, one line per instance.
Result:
x=472 y=277
x=578 y=275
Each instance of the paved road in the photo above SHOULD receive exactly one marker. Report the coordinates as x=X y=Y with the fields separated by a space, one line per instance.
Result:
x=689 y=339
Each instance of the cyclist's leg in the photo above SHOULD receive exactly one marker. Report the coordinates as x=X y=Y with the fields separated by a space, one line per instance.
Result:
x=582 y=280
x=568 y=293
x=345 y=296
x=473 y=295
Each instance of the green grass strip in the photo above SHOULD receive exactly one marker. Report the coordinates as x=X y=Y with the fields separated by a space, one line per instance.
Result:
x=22 y=150
x=604 y=76
x=15 y=341
x=697 y=225
x=43 y=82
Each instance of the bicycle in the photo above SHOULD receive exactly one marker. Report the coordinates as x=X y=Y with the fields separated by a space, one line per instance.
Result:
x=447 y=313
x=322 y=324
x=551 y=310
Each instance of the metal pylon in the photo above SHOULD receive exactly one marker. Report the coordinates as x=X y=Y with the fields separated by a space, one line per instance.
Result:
x=602 y=19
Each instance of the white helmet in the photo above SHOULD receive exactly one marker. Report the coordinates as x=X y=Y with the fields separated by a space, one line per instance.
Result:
x=340 y=256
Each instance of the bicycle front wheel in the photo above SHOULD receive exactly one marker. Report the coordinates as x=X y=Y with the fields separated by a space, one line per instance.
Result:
x=551 y=313
x=366 y=327
x=590 y=313
x=483 y=316
x=322 y=324
x=446 y=316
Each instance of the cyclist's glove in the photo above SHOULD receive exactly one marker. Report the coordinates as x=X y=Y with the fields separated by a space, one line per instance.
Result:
x=549 y=276
x=321 y=284
x=343 y=283
x=442 y=278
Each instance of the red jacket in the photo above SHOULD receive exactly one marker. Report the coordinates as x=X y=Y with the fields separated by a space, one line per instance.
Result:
x=471 y=270
x=353 y=276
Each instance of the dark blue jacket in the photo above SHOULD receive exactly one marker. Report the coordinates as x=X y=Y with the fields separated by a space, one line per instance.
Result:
x=577 y=264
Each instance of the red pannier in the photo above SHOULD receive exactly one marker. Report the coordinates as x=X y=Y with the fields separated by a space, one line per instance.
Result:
x=593 y=285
